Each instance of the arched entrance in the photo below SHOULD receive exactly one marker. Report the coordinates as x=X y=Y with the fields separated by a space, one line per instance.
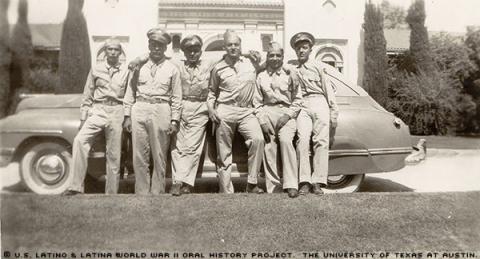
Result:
x=332 y=56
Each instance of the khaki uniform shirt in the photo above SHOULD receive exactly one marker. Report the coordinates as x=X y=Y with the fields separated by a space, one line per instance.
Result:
x=313 y=81
x=156 y=81
x=277 y=88
x=195 y=79
x=232 y=84
x=104 y=83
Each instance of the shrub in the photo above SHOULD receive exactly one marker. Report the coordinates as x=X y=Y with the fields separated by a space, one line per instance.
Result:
x=426 y=102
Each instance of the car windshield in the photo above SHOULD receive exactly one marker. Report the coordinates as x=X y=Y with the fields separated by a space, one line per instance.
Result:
x=341 y=85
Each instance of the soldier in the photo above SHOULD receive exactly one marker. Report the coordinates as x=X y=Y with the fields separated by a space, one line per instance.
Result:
x=278 y=102
x=188 y=146
x=101 y=109
x=230 y=106
x=315 y=120
x=152 y=112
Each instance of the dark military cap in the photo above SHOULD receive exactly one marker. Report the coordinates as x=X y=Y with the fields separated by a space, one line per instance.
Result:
x=191 y=40
x=160 y=35
x=301 y=36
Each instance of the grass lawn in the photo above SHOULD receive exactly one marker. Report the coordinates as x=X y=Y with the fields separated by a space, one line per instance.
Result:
x=452 y=142
x=242 y=223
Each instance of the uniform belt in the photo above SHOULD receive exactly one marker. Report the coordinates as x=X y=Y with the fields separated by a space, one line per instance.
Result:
x=194 y=98
x=109 y=102
x=150 y=100
x=281 y=105
x=238 y=105
x=313 y=95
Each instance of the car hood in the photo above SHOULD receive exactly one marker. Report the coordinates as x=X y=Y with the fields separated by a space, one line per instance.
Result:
x=50 y=101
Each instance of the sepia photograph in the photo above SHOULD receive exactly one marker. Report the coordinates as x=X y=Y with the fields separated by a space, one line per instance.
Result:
x=240 y=129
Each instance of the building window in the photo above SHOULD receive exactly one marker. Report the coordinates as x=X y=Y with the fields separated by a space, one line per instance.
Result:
x=266 y=40
x=176 y=38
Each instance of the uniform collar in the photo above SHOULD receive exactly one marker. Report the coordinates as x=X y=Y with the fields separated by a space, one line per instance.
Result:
x=187 y=64
x=229 y=62
x=150 y=63
x=277 y=71
x=116 y=66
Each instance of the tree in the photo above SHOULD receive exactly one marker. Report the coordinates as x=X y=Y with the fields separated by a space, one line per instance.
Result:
x=22 y=53
x=419 y=45
x=375 y=77
x=393 y=16
x=451 y=56
x=472 y=83
x=4 y=58
x=75 y=60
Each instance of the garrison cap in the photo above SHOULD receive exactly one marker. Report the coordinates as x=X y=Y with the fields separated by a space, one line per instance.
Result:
x=191 y=40
x=112 y=42
x=274 y=46
x=160 y=35
x=301 y=36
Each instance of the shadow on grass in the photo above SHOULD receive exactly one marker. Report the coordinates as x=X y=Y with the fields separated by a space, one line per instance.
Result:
x=375 y=184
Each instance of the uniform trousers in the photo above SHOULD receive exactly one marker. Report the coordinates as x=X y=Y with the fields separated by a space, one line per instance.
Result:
x=150 y=125
x=285 y=164
x=231 y=119
x=188 y=143
x=109 y=119
x=313 y=123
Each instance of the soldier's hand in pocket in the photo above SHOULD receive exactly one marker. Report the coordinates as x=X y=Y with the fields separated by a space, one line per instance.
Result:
x=127 y=124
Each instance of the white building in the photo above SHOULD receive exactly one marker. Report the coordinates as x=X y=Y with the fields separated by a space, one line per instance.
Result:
x=336 y=25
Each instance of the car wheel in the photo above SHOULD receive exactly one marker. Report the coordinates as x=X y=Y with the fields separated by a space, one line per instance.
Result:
x=46 y=168
x=344 y=183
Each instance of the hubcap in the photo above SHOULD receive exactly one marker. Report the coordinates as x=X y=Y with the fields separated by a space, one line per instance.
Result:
x=336 y=180
x=50 y=168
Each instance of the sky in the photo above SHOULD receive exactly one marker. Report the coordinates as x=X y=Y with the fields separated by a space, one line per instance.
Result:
x=442 y=15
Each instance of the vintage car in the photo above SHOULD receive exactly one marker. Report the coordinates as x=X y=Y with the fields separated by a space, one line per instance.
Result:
x=40 y=134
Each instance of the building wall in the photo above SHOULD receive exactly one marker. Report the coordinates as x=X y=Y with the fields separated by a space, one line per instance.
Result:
x=336 y=25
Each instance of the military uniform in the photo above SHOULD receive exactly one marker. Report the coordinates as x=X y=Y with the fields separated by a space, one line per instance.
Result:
x=313 y=122
x=188 y=144
x=153 y=101
x=101 y=109
x=232 y=87
x=277 y=95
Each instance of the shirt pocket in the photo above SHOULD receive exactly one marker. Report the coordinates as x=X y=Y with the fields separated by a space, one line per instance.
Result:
x=143 y=78
x=312 y=77
x=227 y=75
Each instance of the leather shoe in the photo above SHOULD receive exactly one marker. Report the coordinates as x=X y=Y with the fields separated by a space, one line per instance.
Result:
x=186 y=189
x=176 y=189
x=70 y=193
x=253 y=188
x=317 y=189
x=292 y=193
x=304 y=189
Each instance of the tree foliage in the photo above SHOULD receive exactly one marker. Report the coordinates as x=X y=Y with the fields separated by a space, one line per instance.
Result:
x=74 y=63
x=425 y=101
x=22 y=52
x=393 y=16
x=4 y=58
x=375 y=77
x=419 y=45
x=472 y=83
